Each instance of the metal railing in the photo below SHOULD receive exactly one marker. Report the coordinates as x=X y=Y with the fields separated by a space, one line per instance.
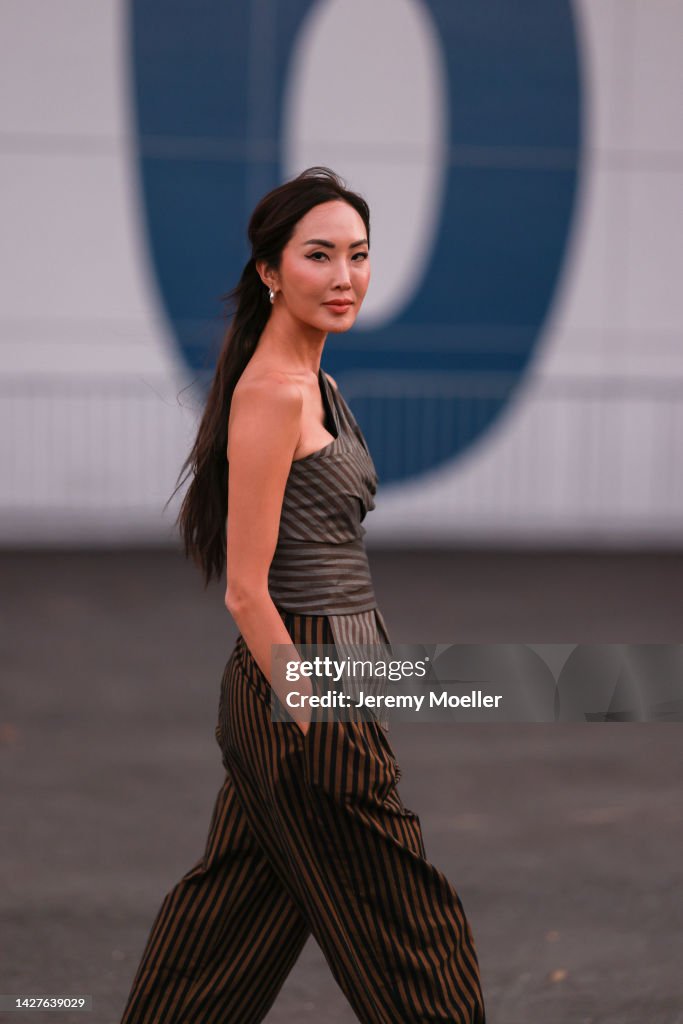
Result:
x=567 y=446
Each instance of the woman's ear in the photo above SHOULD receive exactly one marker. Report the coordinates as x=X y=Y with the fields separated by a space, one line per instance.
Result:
x=267 y=274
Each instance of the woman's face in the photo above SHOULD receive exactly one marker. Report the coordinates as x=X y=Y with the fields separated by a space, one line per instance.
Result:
x=325 y=268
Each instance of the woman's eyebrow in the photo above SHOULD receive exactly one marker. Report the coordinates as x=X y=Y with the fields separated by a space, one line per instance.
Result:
x=331 y=245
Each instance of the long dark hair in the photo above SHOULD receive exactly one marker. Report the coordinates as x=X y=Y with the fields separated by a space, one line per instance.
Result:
x=202 y=515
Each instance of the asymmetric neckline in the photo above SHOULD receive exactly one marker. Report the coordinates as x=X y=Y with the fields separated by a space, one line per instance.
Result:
x=331 y=415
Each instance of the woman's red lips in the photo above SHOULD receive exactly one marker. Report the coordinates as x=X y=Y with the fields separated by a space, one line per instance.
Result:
x=338 y=305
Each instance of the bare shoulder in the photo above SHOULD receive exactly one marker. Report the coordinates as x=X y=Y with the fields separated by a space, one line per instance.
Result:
x=265 y=410
x=332 y=381
x=271 y=389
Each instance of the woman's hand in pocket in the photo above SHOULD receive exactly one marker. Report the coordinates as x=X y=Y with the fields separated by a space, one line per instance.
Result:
x=293 y=687
x=302 y=713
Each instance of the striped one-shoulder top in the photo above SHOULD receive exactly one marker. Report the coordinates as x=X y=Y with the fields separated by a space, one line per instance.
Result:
x=320 y=566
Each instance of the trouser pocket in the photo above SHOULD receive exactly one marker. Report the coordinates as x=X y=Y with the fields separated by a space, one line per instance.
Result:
x=348 y=762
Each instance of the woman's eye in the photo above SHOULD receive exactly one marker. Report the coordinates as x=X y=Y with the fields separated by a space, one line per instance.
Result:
x=314 y=255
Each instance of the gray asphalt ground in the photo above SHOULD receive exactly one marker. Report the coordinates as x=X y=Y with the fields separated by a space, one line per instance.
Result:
x=564 y=841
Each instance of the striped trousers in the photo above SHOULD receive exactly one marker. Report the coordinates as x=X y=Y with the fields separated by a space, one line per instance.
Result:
x=309 y=835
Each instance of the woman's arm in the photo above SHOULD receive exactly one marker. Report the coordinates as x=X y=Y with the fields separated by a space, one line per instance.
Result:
x=263 y=433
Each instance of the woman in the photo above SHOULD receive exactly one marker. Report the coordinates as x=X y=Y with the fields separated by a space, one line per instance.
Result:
x=309 y=833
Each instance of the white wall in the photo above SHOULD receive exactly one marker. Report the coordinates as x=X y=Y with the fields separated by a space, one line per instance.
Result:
x=92 y=434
